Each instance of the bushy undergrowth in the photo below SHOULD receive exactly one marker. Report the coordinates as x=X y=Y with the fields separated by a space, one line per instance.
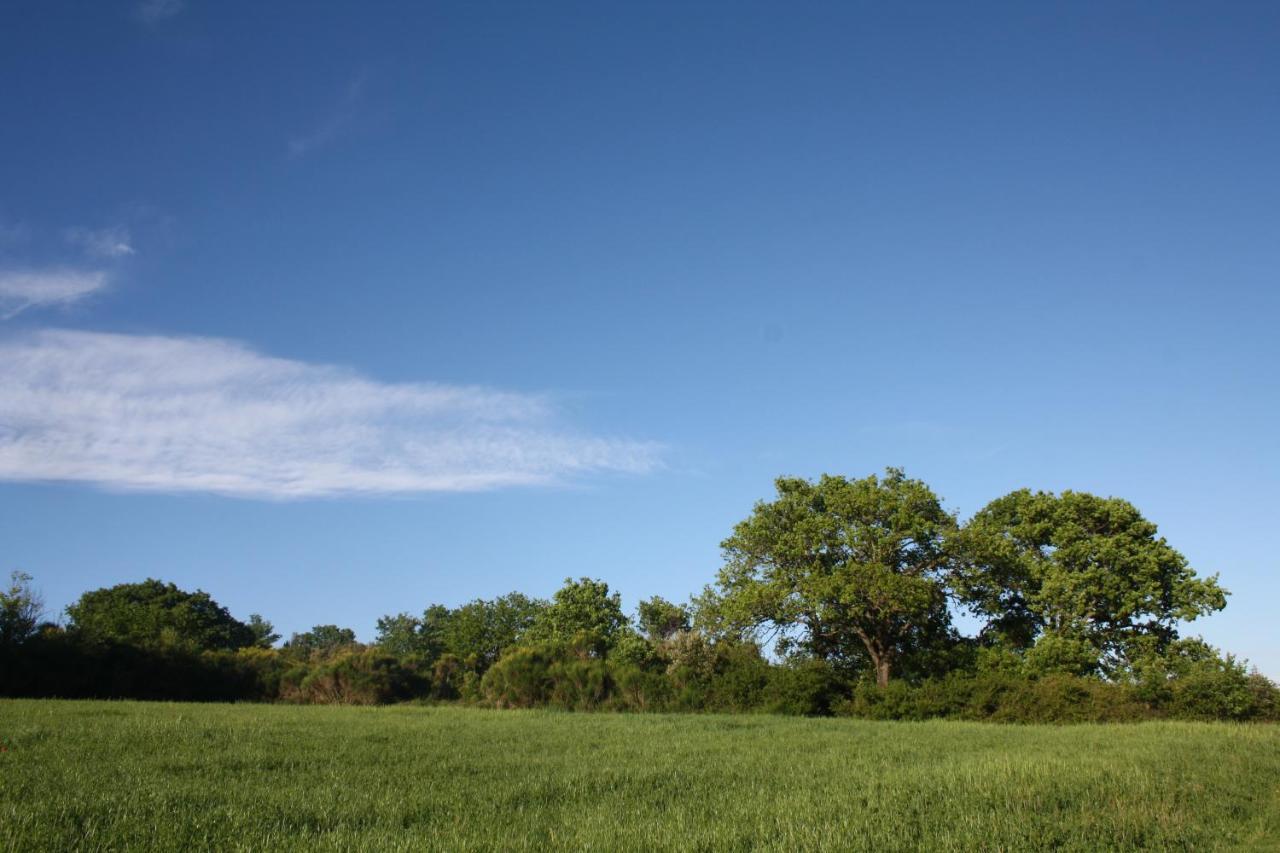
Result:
x=684 y=673
x=725 y=677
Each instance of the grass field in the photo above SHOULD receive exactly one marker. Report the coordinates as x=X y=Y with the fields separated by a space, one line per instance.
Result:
x=95 y=775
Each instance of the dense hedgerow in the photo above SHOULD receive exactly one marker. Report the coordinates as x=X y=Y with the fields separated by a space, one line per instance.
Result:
x=856 y=582
x=684 y=673
x=736 y=678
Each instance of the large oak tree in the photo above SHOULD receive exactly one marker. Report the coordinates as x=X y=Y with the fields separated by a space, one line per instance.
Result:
x=1082 y=581
x=853 y=566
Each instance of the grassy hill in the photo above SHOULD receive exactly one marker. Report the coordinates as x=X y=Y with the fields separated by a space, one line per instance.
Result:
x=93 y=775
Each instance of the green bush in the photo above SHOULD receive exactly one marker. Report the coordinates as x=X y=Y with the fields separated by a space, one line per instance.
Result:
x=1266 y=698
x=807 y=688
x=521 y=678
x=356 y=677
x=998 y=697
x=685 y=672
x=580 y=684
x=740 y=680
x=642 y=689
x=716 y=676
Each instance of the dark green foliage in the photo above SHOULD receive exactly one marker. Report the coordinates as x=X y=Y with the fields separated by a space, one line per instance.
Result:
x=699 y=676
x=692 y=673
x=401 y=636
x=850 y=571
x=522 y=678
x=447 y=674
x=740 y=679
x=61 y=664
x=809 y=688
x=1207 y=694
x=715 y=675
x=20 y=611
x=157 y=615
x=582 y=612
x=850 y=577
x=659 y=619
x=478 y=632
x=581 y=683
x=631 y=649
x=1056 y=698
x=264 y=633
x=351 y=677
x=321 y=641
x=1084 y=582
x=1195 y=681
x=642 y=689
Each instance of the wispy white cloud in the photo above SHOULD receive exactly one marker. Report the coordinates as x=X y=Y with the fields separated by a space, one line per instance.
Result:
x=23 y=289
x=154 y=11
x=207 y=415
x=103 y=242
x=338 y=120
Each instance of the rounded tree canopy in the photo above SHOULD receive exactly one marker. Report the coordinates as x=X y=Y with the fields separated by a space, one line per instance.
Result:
x=154 y=614
x=854 y=567
x=1077 y=568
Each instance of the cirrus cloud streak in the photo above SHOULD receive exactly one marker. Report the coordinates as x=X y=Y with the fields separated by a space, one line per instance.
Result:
x=178 y=414
x=23 y=289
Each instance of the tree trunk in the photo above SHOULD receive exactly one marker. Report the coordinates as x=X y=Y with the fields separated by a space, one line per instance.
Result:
x=881 y=657
x=882 y=671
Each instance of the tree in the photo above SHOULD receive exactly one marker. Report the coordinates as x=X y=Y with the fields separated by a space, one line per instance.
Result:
x=398 y=635
x=479 y=631
x=854 y=567
x=20 y=611
x=406 y=635
x=659 y=619
x=264 y=633
x=153 y=614
x=582 y=611
x=321 y=641
x=1080 y=581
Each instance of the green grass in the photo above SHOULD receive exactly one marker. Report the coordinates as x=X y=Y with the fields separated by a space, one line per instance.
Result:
x=96 y=775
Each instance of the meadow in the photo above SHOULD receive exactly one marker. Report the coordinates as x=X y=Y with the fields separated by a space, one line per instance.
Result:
x=96 y=775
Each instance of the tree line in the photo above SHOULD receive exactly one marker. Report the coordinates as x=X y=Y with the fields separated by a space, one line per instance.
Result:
x=836 y=596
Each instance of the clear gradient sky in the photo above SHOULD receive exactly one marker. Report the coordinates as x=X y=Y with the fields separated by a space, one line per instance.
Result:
x=340 y=309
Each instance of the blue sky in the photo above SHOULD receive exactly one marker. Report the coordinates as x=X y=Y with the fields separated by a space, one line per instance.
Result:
x=336 y=311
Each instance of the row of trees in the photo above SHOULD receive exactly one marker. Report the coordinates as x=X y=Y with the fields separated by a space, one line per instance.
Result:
x=829 y=594
x=867 y=574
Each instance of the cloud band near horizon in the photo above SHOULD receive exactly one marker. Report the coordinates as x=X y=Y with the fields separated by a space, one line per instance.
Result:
x=176 y=414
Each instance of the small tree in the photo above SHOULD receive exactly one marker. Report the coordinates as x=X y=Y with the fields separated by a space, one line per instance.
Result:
x=405 y=635
x=582 y=611
x=20 y=610
x=480 y=631
x=659 y=619
x=321 y=641
x=264 y=633
x=398 y=635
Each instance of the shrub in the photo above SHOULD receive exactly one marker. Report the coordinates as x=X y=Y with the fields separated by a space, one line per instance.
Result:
x=580 y=684
x=447 y=675
x=642 y=690
x=999 y=697
x=807 y=688
x=363 y=677
x=520 y=679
